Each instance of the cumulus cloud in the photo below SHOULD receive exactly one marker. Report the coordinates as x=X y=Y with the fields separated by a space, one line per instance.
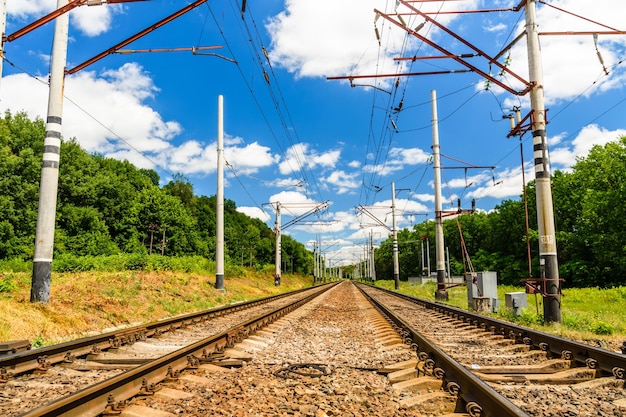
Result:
x=343 y=182
x=397 y=159
x=563 y=157
x=301 y=156
x=560 y=54
x=98 y=108
x=342 y=44
x=255 y=213
x=108 y=113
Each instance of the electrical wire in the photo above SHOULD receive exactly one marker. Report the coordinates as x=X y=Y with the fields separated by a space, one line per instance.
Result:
x=274 y=90
x=94 y=118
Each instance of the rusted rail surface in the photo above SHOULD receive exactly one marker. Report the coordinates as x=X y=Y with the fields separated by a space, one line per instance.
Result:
x=110 y=396
x=592 y=357
x=45 y=357
x=476 y=397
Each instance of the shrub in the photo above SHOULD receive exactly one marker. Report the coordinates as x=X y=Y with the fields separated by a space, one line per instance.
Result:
x=136 y=262
x=70 y=263
x=602 y=328
x=16 y=265
x=7 y=284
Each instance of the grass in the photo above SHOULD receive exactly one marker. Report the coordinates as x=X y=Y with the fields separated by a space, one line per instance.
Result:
x=90 y=301
x=588 y=314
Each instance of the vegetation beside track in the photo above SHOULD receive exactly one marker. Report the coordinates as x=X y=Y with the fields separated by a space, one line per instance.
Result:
x=93 y=301
x=589 y=314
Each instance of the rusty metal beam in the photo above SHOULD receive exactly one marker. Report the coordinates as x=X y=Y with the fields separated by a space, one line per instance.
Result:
x=53 y=15
x=136 y=36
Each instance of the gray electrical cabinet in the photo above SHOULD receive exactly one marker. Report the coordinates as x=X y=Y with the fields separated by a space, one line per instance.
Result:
x=516 y=301
x=482 y=290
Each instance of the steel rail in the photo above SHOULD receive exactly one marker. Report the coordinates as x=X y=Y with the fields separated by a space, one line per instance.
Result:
x=42 y=358
x=111 y=395
x=590 y=356
x=478 y=398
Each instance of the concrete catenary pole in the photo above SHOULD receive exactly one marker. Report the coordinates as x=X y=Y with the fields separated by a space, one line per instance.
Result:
x=219 y=224
x=441 y=293
x=315 y=260
x=48 y=187
x=372 y=262
x=545 y=212
x=277 y=248
x=396 y=264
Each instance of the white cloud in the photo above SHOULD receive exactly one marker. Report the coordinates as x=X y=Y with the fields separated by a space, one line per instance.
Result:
x=295 y=203
x=255 y=213
x=99 y=107
x=571 y=65
x=25 y=8
x=114 y=101
x=564 y=157
x=249 y=158
x=300 y=156
x=343 y=42
x=397 y=159
x=343 y=181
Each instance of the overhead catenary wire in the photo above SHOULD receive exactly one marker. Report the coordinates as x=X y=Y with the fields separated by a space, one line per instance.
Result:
x=94 y=118
x=263 y=64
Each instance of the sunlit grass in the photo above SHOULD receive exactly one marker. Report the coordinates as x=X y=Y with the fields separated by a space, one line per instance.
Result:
x=91 y=301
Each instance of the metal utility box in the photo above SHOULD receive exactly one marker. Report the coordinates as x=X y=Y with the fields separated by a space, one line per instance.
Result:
x=516 y=301
x=421 y=280
x=480 y=286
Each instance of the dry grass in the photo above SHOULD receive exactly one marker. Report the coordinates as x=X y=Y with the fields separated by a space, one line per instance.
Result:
x=84 y=303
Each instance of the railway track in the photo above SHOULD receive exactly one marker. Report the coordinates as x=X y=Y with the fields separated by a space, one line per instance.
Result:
x=37 y=377
x=541 y=374
x=347 y=351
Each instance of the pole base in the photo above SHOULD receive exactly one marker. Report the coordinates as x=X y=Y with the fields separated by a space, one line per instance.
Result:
x=441 y=295
x=40 y=289
x=219 y=281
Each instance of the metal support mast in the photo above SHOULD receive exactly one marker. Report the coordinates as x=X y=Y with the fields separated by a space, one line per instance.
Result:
x=48 y=188
x=372 y=264
x=396 y=264
x=441 y=293
x=219 y=247
x=277 y=248
x=545 y=212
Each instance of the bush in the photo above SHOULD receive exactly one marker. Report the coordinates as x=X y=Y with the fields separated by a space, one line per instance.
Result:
x=602 y=328
x=136 y=262
x=7 y=284
x=70 y=263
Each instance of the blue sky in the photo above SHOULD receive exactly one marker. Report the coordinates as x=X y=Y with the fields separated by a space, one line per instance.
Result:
x=294 y=137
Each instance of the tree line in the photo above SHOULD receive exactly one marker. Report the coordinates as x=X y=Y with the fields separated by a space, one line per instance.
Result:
x=590 y=217
x=107 y=207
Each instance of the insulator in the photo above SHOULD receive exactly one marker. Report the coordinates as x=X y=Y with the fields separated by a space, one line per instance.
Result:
x=418 y=27
x=401 y=20
x=377 y=35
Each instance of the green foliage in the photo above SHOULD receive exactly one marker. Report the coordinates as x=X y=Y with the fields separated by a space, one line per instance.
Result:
x=602 y=328
x=590 y=219
x=38 y=342
x=112 y=215
x=16 y=265
x=7 y=284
